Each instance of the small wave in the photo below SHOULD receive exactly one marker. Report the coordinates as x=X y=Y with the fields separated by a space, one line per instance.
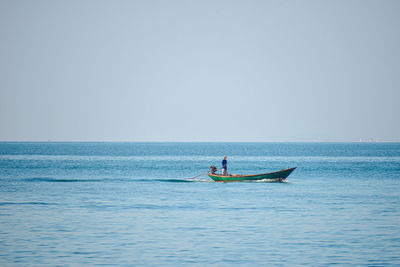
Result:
x=25 y=203
x=55 y=180
x=171 y=180
x=269 y=181
x=175 y=180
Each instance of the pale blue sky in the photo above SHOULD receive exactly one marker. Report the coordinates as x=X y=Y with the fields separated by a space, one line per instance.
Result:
x=199 y=70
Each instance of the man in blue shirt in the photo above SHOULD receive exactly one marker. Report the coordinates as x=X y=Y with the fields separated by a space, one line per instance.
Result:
x=224 y=166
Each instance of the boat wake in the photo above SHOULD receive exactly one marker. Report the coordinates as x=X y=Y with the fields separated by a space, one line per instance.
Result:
x=174 y=180
x=60 y=180
x=269 y=181
x=182 y=180
x=211 y=181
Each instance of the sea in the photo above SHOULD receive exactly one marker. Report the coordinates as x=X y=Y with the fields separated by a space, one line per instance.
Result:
x=136 y=204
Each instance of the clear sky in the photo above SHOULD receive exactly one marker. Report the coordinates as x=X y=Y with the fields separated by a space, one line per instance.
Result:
x=199 y=70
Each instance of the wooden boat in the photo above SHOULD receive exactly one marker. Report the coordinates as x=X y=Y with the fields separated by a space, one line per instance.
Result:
x=273 y=176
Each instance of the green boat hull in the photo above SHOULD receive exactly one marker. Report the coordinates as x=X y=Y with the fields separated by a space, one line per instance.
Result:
x=274 y=176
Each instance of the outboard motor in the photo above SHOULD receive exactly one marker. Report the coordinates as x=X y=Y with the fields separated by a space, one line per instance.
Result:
x=213 y=169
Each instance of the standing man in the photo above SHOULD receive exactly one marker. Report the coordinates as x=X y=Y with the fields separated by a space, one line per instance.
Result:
x=224 y=166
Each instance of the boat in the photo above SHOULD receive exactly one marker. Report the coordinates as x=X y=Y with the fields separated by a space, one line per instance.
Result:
x=270 y=176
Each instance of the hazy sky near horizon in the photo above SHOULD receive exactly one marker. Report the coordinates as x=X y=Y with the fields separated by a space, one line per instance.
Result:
x=199 y=70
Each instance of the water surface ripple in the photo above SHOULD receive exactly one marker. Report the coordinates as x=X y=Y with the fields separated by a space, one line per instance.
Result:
x=135 y=204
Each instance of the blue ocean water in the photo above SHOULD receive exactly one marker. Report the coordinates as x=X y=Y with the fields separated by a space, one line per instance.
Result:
x=133 y=204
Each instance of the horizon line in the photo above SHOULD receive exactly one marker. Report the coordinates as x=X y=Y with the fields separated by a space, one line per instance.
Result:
x=164 y=141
